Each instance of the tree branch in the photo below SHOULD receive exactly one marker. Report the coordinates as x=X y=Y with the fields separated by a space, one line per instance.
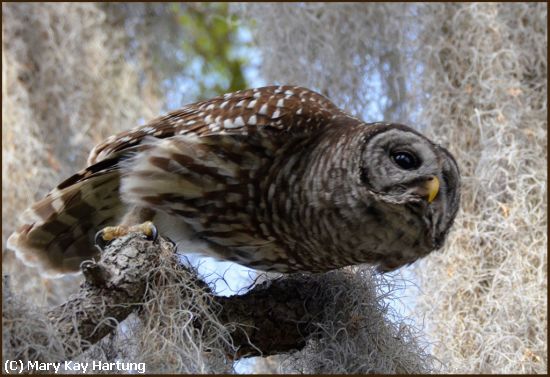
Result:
x=274 y=317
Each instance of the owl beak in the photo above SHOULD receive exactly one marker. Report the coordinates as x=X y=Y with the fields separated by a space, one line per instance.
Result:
x=432 y=188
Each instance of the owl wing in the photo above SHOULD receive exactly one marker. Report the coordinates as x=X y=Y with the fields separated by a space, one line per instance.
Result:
x=273 y=112
x=213 y=165
x=196 y=156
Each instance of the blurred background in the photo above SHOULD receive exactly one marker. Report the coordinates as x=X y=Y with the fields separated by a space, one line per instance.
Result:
x=471 y=76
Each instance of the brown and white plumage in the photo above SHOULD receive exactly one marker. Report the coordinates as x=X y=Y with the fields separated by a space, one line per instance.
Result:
x=276 y=178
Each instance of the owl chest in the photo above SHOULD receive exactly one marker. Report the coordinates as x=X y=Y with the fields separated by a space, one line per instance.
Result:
x=390 y=236
x=319 y=238
x=287 y=235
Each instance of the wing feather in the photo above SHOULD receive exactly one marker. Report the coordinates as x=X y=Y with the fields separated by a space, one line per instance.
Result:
x=272 y=111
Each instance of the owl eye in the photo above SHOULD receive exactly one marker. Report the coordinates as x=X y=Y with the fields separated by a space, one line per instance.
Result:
x=405 y=160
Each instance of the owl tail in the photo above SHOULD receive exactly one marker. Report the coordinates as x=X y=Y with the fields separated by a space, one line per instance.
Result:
x=58 y=231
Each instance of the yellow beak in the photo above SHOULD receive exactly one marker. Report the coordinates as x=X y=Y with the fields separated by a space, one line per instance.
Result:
x=432 y=186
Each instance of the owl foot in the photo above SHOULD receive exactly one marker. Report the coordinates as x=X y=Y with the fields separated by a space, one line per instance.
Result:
x=105 y=236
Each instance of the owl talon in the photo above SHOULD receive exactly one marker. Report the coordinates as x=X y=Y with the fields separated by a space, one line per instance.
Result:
x=99 y=240
x=170 y=241
x=154 y=233
x=105 y=236
x=108 y=234
x=147 y=228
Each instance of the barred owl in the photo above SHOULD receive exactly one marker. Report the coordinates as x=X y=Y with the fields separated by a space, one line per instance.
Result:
x=275 y=178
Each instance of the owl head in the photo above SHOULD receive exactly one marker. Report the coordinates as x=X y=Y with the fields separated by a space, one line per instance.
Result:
x=418 y=179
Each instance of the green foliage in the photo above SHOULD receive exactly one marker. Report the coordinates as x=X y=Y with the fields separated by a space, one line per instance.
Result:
x=211 y=45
